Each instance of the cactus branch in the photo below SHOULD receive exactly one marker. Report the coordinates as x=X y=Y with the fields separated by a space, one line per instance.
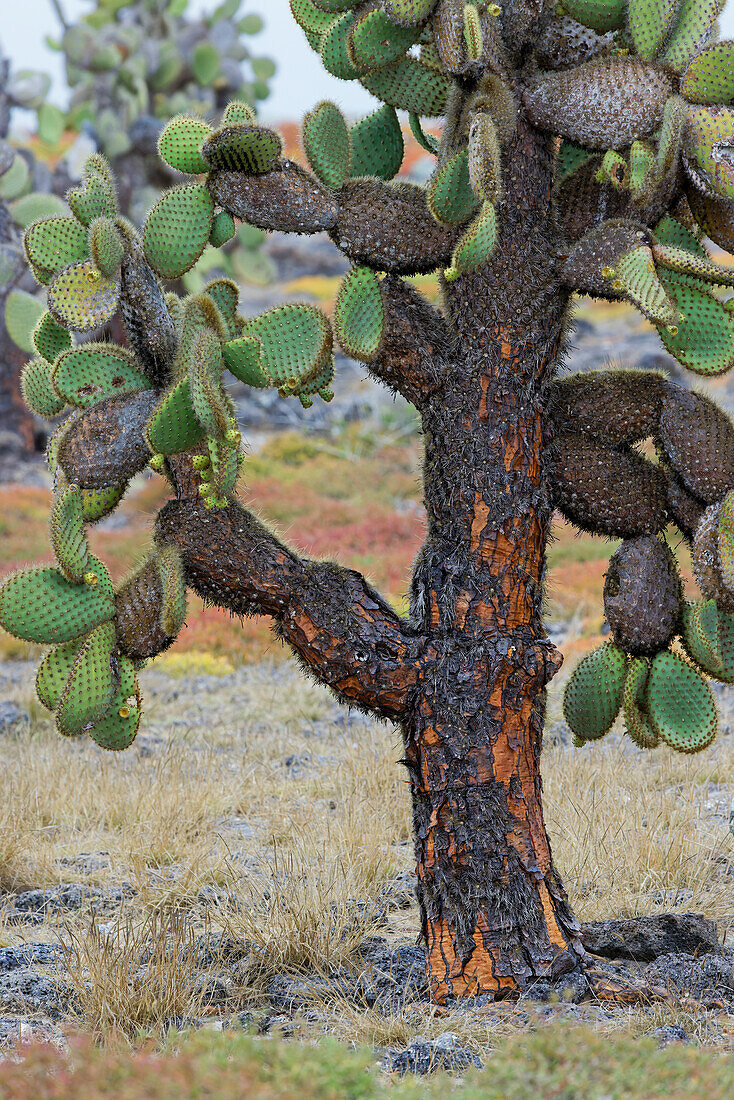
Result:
x=345 y=634
x=414 y=345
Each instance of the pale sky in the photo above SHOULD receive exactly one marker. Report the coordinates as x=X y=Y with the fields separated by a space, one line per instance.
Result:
x=300 y=81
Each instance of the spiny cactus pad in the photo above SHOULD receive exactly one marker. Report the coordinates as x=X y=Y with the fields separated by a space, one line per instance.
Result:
x=296 y=343
x=600 y=15
x=54 y=671
x=68 y=536
x=177 y=230
x=636 y=719
x=703 y=337
x=173 y=426
x=359 y=314
x=38 y=393
x=53 y=244
x=243 y=148
x=710 y=77
x=91 y=686
x=327 y=144
x=377 y=145
x=41 y=605
x=81 y=298
x=105 y=246
x=49 y=338
x=642 y=595
x=681 y=705
x=450 y=196
x=90 y=372
x=477 y=243
x=700 y=635
x=593 y=694
x=180 y=144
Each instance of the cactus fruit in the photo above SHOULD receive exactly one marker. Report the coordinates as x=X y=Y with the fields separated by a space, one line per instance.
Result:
x=593 y=694
x=681 y=705
x=358 y=314
x=90 y=372
x=697 y=439
x=177 y=230
x=377 y=145
x=636 y=719
x=642 y=596
x=327 y=144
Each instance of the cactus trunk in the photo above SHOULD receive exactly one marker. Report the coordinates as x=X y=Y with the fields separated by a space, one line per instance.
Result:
x=494 y=912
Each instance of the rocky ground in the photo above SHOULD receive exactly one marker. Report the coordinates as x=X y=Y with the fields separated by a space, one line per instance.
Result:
x=112 y=927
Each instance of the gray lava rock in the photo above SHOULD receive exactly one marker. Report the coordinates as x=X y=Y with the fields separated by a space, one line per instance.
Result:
x=423 y=1056
x=647 y=938
x=393 y=975
x=671 y=1033
x=58 y=899
x=30 y=991
x=11 y=717
x=710 y=979
x=40 y=954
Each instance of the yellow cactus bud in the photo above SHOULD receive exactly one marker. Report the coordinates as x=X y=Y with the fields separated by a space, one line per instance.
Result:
x=233 y=437
x=124 y=712
x=91 y=579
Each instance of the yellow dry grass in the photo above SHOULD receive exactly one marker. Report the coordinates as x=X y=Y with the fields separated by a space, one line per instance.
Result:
x=251 y=805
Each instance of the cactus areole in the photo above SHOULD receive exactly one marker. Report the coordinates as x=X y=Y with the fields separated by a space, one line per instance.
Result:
x=581 y=151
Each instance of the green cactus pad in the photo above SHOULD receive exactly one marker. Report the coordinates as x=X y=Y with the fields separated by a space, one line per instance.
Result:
x=105 y=246
x=325 y=138
x=223 y=229
x=600 y=15
x=710 y=77
x=410 y=86
x=709 y=137
x=700 y=635
x=334 y=50
x=375 y=41
x=636 y=719
x=725 y=540
x=22 y=313
x=642 y=169
x=226 y=296
x=92 y=683
x=95 y=197
x=236 y=112
x=90 y=372
x=38 y=393
x=243 y=148
x=473 y=32
x=477 y=243
x=336 y=6
x=450 y=197
x=680 y=703
x=49 y=338
x=692 y=29
x=377 y=145
x=118 y=728
x=704 y=340
x=426 y=141
x=54 y=672
x=313 y=20
x=225 y=468
x=319 y=384
x=207 y=396
x=635 y=270
x=409 y=11
x=296 y=344
x=81 y=298
x=649 y=24
x=177 y=230
x=682 y=261
x=593 y=694
x=359 y=315
x=68 y=536
x=40 y=605
x=173 y=588
x=670 y=231
x=53 y=244
x=180 y=144
x=98 y=503
x=243 y=358
x=570 y=158
x=173 y=427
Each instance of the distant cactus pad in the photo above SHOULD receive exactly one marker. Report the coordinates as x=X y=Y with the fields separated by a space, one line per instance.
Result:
x=642 y=596
x=593 y=694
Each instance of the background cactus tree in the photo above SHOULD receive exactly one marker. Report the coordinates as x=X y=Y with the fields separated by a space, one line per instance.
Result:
x=580 y=151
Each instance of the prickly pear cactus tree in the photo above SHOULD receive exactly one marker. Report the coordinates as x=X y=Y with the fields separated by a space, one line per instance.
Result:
x=131 y=65
x=582 y=151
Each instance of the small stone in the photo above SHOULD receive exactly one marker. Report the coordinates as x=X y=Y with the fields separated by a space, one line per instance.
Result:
x=646 y=938
x=12 y=717
x=671 y=1033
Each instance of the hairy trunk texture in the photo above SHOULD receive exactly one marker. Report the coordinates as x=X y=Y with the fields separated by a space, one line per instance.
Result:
x=494 y=912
